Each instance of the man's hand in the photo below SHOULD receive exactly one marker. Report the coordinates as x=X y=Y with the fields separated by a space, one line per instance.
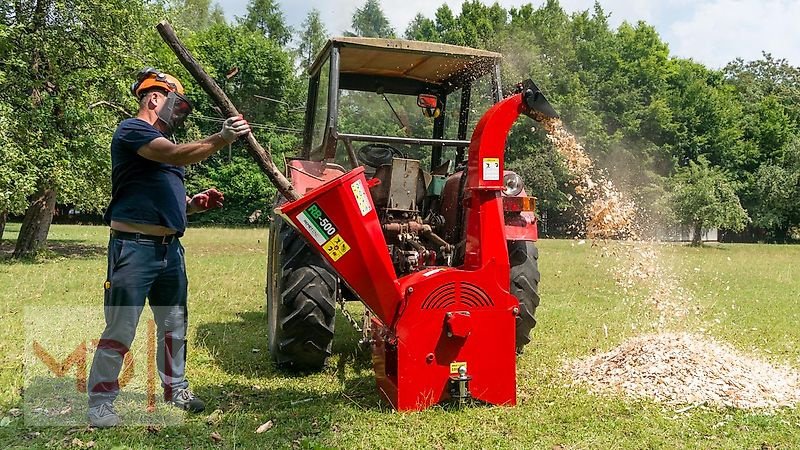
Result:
x=233 y=128
x=205 y=200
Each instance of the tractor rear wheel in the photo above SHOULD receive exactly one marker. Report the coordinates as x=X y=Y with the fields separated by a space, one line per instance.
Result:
x=524 y=259
x=301 y=293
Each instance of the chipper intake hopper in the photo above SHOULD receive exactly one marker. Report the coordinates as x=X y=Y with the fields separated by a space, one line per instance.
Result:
x=442 y=332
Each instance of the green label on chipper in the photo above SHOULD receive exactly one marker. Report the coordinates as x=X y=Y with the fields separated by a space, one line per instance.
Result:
x=317 y=224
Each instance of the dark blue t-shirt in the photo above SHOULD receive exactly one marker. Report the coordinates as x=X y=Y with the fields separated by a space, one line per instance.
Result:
x=144 y=191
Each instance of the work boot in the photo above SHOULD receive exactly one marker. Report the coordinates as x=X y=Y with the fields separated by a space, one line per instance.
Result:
x=185 y=399
x=103 y=416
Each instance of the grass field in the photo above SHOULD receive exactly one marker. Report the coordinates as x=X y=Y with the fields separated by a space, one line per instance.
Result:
x=747 y=294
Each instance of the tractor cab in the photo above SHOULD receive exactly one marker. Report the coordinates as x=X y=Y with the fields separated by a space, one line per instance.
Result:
x=372 y=99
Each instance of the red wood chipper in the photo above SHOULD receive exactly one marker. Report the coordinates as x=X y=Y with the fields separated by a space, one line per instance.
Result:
x=443 y=260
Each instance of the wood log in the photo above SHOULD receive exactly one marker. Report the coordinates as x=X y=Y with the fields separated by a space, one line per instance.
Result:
x=262 y=157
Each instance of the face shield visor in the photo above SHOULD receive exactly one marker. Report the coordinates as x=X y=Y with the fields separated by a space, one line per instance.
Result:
x=175 y=111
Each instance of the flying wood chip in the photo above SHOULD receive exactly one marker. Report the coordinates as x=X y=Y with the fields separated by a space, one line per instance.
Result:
x=231 y=73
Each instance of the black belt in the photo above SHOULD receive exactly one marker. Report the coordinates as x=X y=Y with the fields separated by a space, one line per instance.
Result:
x=124 y=235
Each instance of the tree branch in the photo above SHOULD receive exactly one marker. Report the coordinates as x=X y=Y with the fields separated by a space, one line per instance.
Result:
x=118 y=108
x=263 y=157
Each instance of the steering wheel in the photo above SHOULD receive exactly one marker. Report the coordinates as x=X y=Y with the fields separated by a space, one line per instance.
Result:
x=376 y=154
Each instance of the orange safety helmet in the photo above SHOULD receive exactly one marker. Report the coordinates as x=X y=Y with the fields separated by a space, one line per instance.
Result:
x=149 y=78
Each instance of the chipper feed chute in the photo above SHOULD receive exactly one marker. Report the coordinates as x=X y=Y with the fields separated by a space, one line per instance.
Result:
x=439 y=333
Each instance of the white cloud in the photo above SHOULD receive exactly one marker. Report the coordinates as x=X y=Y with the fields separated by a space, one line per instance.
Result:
x=712 y=32
x=721 y=30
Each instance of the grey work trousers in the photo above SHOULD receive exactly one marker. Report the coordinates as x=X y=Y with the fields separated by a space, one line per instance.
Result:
x=139 y=269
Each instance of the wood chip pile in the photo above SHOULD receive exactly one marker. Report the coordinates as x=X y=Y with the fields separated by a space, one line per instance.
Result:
x=688 y=369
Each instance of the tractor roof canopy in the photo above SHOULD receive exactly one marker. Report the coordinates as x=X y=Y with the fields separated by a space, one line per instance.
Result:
x=433 y=65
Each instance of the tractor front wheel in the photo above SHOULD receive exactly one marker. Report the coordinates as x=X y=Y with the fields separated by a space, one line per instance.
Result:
x=524 y=259
x=301 y=293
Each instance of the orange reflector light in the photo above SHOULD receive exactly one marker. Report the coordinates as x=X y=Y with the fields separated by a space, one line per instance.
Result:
x=519 y=204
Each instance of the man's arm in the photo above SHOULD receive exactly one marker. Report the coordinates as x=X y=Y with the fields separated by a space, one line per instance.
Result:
x=164 y=151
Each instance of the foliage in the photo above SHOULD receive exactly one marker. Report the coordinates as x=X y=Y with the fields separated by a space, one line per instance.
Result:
x=266 y=17
x=195 y=14
x=703 y=197
x=17 y=179
x=773 y=192
x=370 y=21
x=62 y=56
x=245 y=188
x=312 y=36
x=258 y=76
x=767 y=90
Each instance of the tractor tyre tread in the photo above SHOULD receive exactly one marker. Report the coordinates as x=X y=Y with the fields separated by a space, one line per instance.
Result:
x=306 y=313
x=524 y=259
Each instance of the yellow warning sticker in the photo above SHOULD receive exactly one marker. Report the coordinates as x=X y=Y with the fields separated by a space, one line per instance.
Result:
x=336 y=247
x=454 y=366
x=491 y=169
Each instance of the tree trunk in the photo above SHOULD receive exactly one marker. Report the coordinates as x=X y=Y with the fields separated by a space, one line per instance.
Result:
x=36 y=224
x=697 y=237
x=3 y=218
x=781 y=235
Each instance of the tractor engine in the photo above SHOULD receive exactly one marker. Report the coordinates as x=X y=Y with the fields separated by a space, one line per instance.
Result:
x=400 y=190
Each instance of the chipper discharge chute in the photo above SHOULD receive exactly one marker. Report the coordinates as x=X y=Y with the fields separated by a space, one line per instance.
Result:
x=441 y=332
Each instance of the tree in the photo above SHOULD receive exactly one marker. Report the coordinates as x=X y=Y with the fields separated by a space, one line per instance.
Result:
x=481 y=24
x=16 y=175
x=422 y=29
x=703 y=197
x=266 y=16
x=63 y=57
x=259 y=77
x=196 y=14
x=370 y=21
x=769 y=76
x=777 y=189
x=312 y=38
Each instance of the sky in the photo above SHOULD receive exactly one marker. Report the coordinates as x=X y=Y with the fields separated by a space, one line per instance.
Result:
x=713 y=32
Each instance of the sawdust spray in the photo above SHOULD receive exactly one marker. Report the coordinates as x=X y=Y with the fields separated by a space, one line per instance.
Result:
x=665 y=365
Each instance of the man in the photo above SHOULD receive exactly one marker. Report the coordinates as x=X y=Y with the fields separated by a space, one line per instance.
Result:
x=147 y=215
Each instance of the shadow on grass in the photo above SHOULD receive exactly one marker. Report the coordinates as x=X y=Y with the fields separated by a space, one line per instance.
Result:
x=240 y=346
x=303 y=417
x=54 y=249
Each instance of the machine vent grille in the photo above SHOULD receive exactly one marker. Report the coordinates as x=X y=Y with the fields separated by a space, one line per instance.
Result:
x=445 y=296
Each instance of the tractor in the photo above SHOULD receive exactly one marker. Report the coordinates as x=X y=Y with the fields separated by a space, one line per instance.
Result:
x=402 y=211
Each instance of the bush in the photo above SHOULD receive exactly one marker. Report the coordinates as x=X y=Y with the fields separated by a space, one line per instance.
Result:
x=245 y=187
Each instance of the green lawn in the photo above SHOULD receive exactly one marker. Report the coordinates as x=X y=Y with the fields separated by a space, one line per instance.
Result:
x=747 y=295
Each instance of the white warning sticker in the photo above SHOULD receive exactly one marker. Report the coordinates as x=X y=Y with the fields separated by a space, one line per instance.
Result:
x=361 y=197
x=491 y=169
x=313 y=230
